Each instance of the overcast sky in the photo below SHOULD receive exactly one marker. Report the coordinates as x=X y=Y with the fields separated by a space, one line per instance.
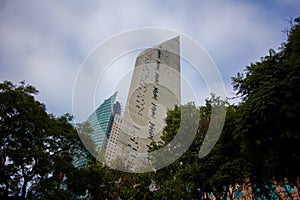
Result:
x=46 y=42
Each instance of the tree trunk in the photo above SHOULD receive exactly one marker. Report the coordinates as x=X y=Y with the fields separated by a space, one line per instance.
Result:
x=24 y=188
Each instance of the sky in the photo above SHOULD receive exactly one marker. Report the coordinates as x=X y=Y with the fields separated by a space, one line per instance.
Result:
x=46 y=42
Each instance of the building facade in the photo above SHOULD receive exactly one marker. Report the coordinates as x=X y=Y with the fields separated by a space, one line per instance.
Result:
x=99 y=121
x=155 y=88
x=113 y=138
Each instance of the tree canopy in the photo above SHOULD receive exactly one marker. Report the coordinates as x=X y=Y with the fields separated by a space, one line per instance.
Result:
x=36 y=147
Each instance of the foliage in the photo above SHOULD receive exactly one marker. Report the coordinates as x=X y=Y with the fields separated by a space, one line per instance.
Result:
x=187 y=177
x=267 y=119
x=36 y=148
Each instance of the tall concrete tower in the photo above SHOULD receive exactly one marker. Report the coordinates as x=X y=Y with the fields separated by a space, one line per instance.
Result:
x=155 y=88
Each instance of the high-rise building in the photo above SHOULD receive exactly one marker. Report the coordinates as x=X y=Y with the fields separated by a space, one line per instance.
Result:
x=116 y=111
x=154 y=88
x=112 y=142
x=99 y=121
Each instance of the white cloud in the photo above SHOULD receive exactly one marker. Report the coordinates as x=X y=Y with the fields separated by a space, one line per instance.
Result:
x=44 y=42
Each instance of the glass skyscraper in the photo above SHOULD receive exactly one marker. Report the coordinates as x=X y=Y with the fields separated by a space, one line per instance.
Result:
x=99 y=121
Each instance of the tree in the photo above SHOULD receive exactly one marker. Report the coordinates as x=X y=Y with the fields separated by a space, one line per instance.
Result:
x=268 y=117
x=189 y=176
x=36 y=148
